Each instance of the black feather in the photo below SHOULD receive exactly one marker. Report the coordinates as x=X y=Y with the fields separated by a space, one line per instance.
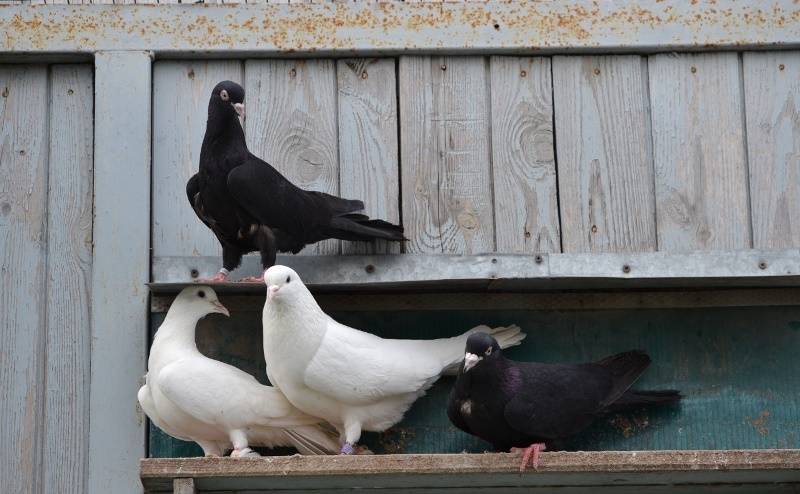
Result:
x=250 y=206
x=515 y=404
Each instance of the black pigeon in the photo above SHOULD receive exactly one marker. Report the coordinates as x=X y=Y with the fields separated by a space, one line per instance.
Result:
x=525 y=404
x=250 y=206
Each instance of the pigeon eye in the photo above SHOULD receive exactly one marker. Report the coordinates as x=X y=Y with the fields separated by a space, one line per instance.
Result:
x=201 y=294
x=489 y=351
x=224 y=95
x=288 y=279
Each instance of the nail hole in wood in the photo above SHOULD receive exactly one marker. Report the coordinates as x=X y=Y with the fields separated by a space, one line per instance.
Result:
x=496 y=26
x=626 y=269
x=523 y=74
x=190 y=75
x=494 y=261
x=292 y=73
x=538 y=259
x=194 y=273
x=369 y=268
x=596 y=71
x=364 y=75
x=694 y=70
x=444 y=67
x=70 y=92
x=781 y=67
x=762 y=265
x=5 y=92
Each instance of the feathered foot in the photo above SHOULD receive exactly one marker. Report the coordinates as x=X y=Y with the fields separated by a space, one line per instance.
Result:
x=347 y=449
x=534 y=450
x=243 y=453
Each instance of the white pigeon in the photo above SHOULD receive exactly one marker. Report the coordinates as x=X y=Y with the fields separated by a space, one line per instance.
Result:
x=195 y=398
x=354 y=380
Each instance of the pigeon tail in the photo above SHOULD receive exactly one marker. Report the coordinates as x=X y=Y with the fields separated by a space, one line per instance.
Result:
x=636 y=399
x=358 y=227
x=506 y=336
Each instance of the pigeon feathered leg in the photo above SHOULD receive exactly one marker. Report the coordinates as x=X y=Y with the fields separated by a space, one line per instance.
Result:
x=240 y=448
x=267 y=245
x=531 y=453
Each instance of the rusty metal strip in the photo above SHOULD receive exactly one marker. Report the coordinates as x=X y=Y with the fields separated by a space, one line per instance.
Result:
x=397 y=27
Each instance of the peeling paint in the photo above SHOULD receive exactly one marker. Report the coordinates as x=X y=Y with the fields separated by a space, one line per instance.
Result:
x=642 y=25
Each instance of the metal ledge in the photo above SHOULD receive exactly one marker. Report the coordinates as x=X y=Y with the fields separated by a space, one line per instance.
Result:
x=637 y=470
x=503 y=272
x=348 y=28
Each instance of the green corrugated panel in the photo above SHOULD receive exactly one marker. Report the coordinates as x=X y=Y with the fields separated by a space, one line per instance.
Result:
x=737 y=367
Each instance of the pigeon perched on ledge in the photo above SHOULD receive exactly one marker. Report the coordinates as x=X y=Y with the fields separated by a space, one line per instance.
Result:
x=194 y=398
x=525 y=404
x=250 y=206
x=354 y=380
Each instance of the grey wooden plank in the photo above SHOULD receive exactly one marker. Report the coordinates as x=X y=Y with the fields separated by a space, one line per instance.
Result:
x=523 y=156
x=69 y=255
x=512 y=271
x=698 y=142
x=368 y=156
x=605 y=163
x=23 y=251
x=446 y=158
x=183 y=486
x=119 y=268
x=375 y=28
x=291 y=124
x=772 y=105
x=180 y=108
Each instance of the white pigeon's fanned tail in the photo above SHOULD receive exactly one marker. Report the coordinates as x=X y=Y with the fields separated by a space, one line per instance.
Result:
x=506 y=336
x=307 y=439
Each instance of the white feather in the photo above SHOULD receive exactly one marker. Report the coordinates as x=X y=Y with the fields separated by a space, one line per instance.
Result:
x=195 y=398
x=354 y=380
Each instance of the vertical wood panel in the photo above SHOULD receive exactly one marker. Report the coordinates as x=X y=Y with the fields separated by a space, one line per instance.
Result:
x=69 y=259
x=180 y=108
x=524 y=169
x=605 y=163
x=698 y=140
x=368 y=158
x=772 y=103
x=120 y=268
x=446 y=157
x=23 y=236
x=291 y=124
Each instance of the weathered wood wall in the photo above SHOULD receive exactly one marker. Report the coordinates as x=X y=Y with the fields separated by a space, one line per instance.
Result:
x=669 y=152
x=46 y=150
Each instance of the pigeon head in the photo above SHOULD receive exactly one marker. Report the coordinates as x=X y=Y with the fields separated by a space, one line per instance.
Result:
x=227 y=100
x=480 y=347
x=284 y=285
x=199 y=301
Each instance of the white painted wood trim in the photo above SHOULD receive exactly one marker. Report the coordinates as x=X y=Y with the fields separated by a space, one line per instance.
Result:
x=121 y=258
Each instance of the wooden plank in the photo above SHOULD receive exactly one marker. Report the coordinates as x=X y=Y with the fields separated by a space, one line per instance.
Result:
x=772 y=103
x=498 y=271
x=119 y=268
x=23 y=251
x=69 y=255
x=183 y=486
x=605 y=163
x=291 y=124
x=369 y=166
x=380 y=28
x=446 y=173
x=523 y=157
x=180 y=109
x=698 y=141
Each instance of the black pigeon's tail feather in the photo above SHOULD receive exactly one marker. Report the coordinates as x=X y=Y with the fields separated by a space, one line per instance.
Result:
x=358 y=227
x=625 y=369
x=337 y=205
x=635 y=399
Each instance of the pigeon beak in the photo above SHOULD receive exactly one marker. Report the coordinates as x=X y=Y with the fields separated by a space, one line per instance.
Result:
x=272 y=290
x=470 y=361
x=239 y=107
x=218 y=307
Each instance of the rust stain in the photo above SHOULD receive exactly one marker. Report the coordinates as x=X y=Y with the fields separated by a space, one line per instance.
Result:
x=760 y=423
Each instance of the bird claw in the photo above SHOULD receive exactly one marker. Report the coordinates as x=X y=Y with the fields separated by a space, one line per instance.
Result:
x=530 y=453
x=217 y=278
x=347 y=449
x=244 y=453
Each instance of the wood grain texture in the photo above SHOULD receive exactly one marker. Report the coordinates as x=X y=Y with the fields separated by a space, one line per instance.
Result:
x=291 y=124
x=180 y=108
x=69 y=260
x=120 y=268
x=445 y=154
x=523 y=156
x=698 y=142
x=23 y=251
x=368 y=156
x=605 y=163
x=183 y=486
x=772 y=105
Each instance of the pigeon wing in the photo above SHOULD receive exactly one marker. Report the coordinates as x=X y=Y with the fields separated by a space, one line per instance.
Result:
x=555 y=401
x=216 y=393
x=359 y=368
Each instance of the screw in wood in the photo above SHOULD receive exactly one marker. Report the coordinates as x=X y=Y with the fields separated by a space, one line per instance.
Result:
x=494 y=261
x=194 y=273
x=292 y=73
x=781 y=67
x=538 y=259
x=364 y=75
x=626 y=268
x=762 y=265
x=444 y=67
x=496 y=26
x=369 y=268
x=522 y=73
x=596 y=71
x=694 y=69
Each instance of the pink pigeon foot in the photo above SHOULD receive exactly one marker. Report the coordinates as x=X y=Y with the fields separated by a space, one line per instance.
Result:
x=252 y=279
x=534 y=450
x=347 y=449
x=217 y=278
